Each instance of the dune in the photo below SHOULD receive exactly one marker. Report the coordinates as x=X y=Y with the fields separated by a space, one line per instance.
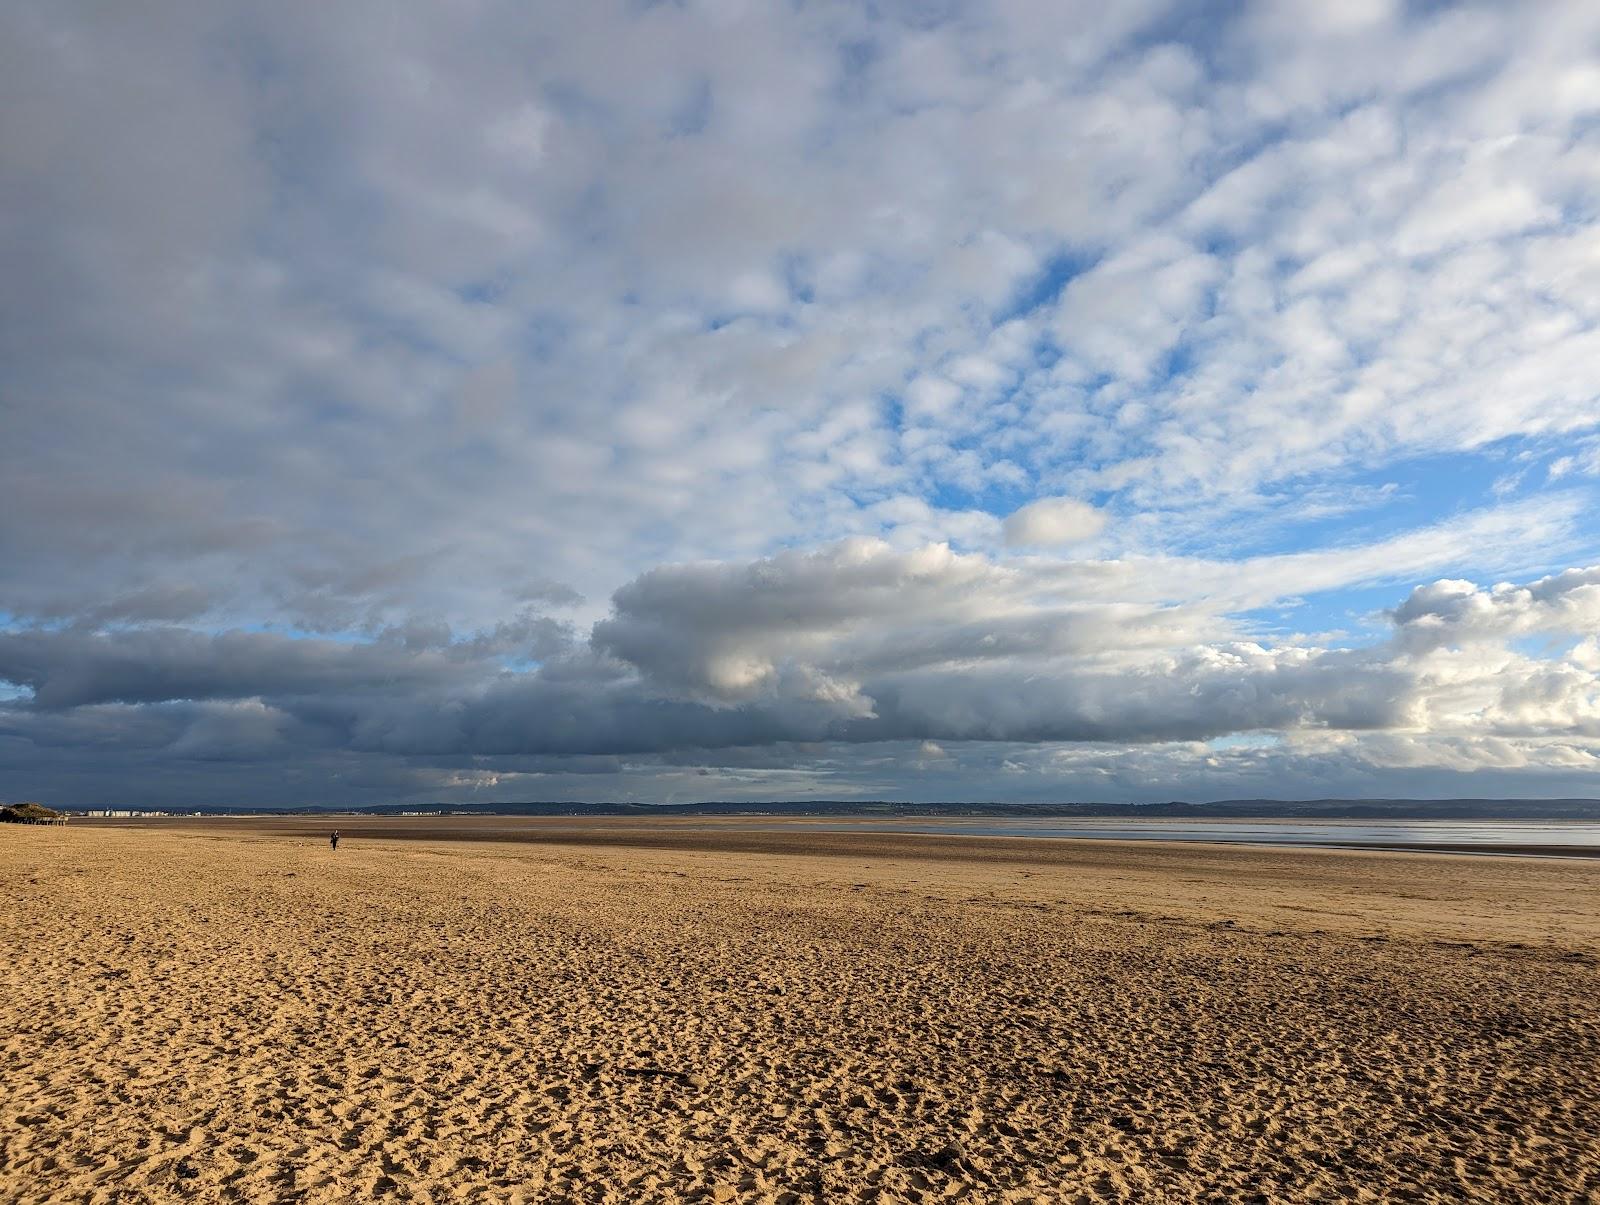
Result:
x=221 y=1012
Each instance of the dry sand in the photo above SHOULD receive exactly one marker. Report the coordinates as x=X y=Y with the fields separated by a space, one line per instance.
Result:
x=225 y=1012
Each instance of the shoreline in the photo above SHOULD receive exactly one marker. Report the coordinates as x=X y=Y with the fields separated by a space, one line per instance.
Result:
x=1511 y=899
x=673 y=832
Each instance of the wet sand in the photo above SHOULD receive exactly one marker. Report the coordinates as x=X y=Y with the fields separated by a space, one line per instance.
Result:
x=617 y=1011
x=771 y=834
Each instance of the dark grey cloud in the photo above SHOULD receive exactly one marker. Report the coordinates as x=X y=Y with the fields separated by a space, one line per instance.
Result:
x=152 y=604
x=76 y=668
x=429 y=698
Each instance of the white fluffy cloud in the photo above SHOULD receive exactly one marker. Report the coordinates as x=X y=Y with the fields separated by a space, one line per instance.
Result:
x=1054 y=522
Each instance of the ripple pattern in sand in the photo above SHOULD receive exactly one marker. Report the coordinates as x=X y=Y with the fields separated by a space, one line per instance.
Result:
x=253 y=1020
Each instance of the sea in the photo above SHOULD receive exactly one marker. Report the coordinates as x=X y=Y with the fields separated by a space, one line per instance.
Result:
x=1544 y=837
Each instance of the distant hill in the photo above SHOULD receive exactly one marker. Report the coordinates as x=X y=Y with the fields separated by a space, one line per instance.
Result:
x=1323 y=809
x=28 y=813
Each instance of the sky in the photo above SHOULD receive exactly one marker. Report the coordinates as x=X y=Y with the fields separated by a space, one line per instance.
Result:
x=720 y=401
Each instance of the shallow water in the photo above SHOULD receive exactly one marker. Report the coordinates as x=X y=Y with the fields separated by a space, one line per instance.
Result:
x=1488 y=835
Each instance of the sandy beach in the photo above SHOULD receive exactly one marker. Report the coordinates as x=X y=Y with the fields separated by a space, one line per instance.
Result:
x=230 y=1011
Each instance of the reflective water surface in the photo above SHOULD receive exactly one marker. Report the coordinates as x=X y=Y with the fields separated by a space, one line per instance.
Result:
x=1487 y=836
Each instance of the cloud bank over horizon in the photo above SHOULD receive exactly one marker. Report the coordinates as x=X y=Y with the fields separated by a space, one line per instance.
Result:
x=715 y=401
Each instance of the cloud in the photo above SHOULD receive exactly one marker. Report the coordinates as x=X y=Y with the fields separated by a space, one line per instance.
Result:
x=630 y=380
x=1453 y=612
x=73 y=668
x=1051 y=522
x=854 y=646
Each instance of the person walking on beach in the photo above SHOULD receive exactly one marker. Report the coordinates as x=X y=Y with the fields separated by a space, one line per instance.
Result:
x=334 y=840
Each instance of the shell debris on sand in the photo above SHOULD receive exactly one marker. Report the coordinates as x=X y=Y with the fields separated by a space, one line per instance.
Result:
x=191 y=1014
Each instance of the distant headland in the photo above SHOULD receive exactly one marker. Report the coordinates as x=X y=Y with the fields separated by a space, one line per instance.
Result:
x=1225 y=809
